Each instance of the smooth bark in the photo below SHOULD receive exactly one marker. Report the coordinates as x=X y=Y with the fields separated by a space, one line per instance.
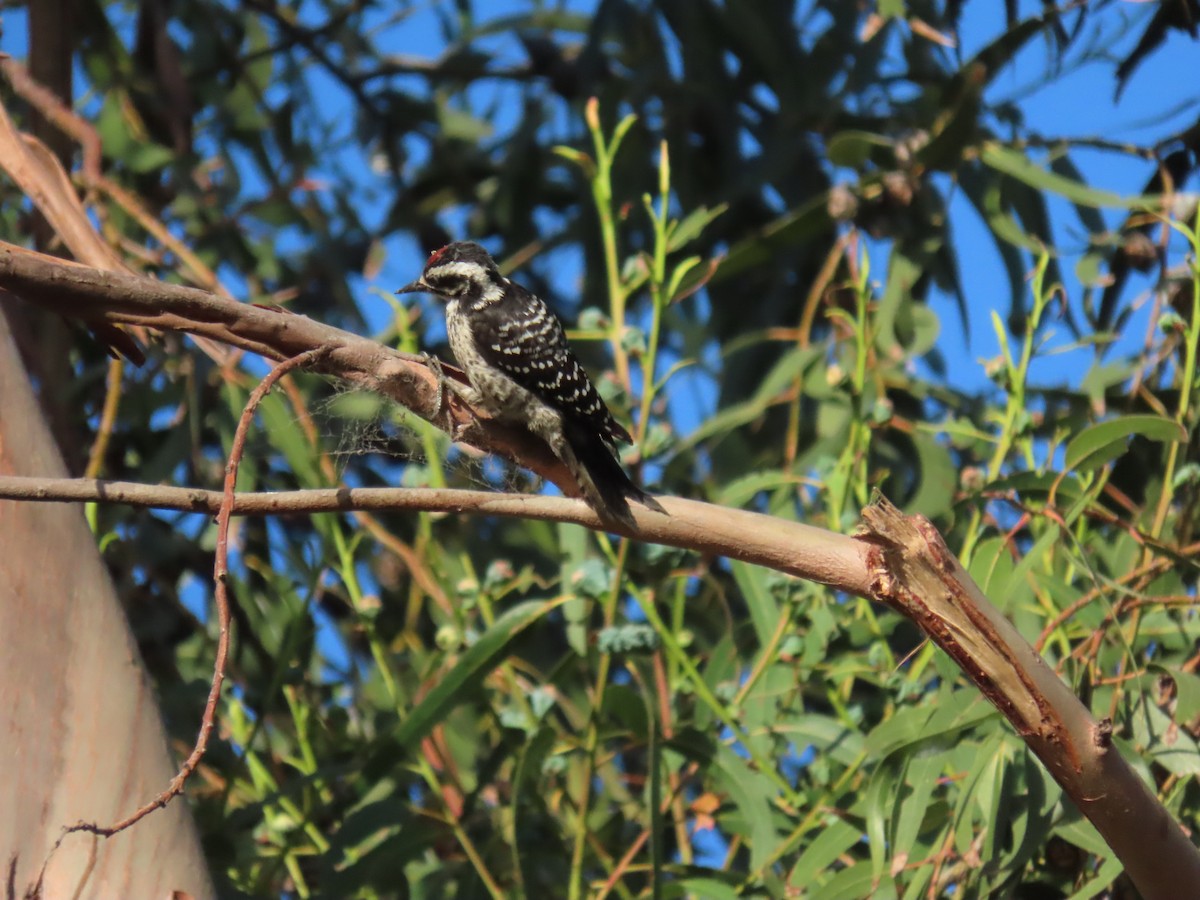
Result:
x=80 y=733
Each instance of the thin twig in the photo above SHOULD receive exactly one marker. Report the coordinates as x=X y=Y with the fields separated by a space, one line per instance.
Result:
x=1151 y=568
x=220 y=599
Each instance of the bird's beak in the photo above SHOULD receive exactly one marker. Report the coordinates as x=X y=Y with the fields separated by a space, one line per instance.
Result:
x=415 y=287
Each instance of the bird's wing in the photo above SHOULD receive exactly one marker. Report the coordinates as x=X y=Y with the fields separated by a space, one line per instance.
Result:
x=526 y=342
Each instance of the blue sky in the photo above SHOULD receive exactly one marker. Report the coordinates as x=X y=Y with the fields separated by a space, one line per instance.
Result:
x=1079 y=104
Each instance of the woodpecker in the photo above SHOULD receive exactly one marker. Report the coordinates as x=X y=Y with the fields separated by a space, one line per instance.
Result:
x=523 y=371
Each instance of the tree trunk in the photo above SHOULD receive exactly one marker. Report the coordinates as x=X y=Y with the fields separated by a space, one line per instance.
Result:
x=80 y=733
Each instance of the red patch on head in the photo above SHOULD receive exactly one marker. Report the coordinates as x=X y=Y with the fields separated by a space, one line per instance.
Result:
x=436 y=255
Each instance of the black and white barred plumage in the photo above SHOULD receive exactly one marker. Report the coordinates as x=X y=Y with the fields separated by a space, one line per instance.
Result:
x=522 y=370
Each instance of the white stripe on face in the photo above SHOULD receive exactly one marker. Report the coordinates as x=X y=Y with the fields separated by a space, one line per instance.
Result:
x=461 y=268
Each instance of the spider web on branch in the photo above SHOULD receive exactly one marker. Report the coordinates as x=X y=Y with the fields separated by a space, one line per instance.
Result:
x=369 y=437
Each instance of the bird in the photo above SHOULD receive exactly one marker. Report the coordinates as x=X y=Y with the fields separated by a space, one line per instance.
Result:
x=523 y=371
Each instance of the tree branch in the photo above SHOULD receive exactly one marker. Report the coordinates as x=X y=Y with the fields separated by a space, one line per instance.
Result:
x=837 y=560
x=915 y=573
x=95 y=297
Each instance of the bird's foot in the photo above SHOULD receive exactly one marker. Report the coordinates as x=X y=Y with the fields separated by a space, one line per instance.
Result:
x=435 y=366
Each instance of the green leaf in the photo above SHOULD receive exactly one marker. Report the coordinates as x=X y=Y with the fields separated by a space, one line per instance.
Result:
x=1039 y=796
x=721 y=670
x=112 y=127
x=761 y=707
x=921 y=775
x=1017 y=588
x=573 y=551
x=1039 y=485
x=855 y=883
x=375 y=841
x=701 y=887
x=1019 y=166
x=764 y=611
x=1101 y=443
x=1187 y=687
x=992 y=566
x=624 y=708
x=280 y=423
x=1087 y=269
x=1109 y=871
x=525 y=793
x=938 y=478
x=996 y=203
x=852 y=149
x=918 y=328
x=148 y=157
x=457 y=124
x=752 y=793
x=975 y=806
x=691 y=225
x=1103 y=377
x=740 y=491
x=619 y=133
x=260 y=65
x=806 y=222
x=241 y=103
x=827 y=736
x=483 y=656
x=1083 y=834
x=907 y=263
x=882 y=790
x=912 y=726
x=1160 y=740
x=790 y=366
x=578 y=157
x=541 y=19
x=679 y=273
x=835 y=837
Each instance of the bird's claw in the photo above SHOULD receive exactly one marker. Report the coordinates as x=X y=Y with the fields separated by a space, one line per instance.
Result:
x=435 y=366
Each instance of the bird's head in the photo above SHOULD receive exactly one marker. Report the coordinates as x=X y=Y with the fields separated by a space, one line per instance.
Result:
x=459 y=271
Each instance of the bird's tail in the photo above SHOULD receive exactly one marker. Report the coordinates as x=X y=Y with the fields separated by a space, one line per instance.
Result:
x=605 y=485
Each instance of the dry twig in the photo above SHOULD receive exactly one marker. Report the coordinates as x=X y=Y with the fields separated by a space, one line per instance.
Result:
x=220 y=600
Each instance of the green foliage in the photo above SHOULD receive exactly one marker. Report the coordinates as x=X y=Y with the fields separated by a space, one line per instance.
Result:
x=432 y=706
